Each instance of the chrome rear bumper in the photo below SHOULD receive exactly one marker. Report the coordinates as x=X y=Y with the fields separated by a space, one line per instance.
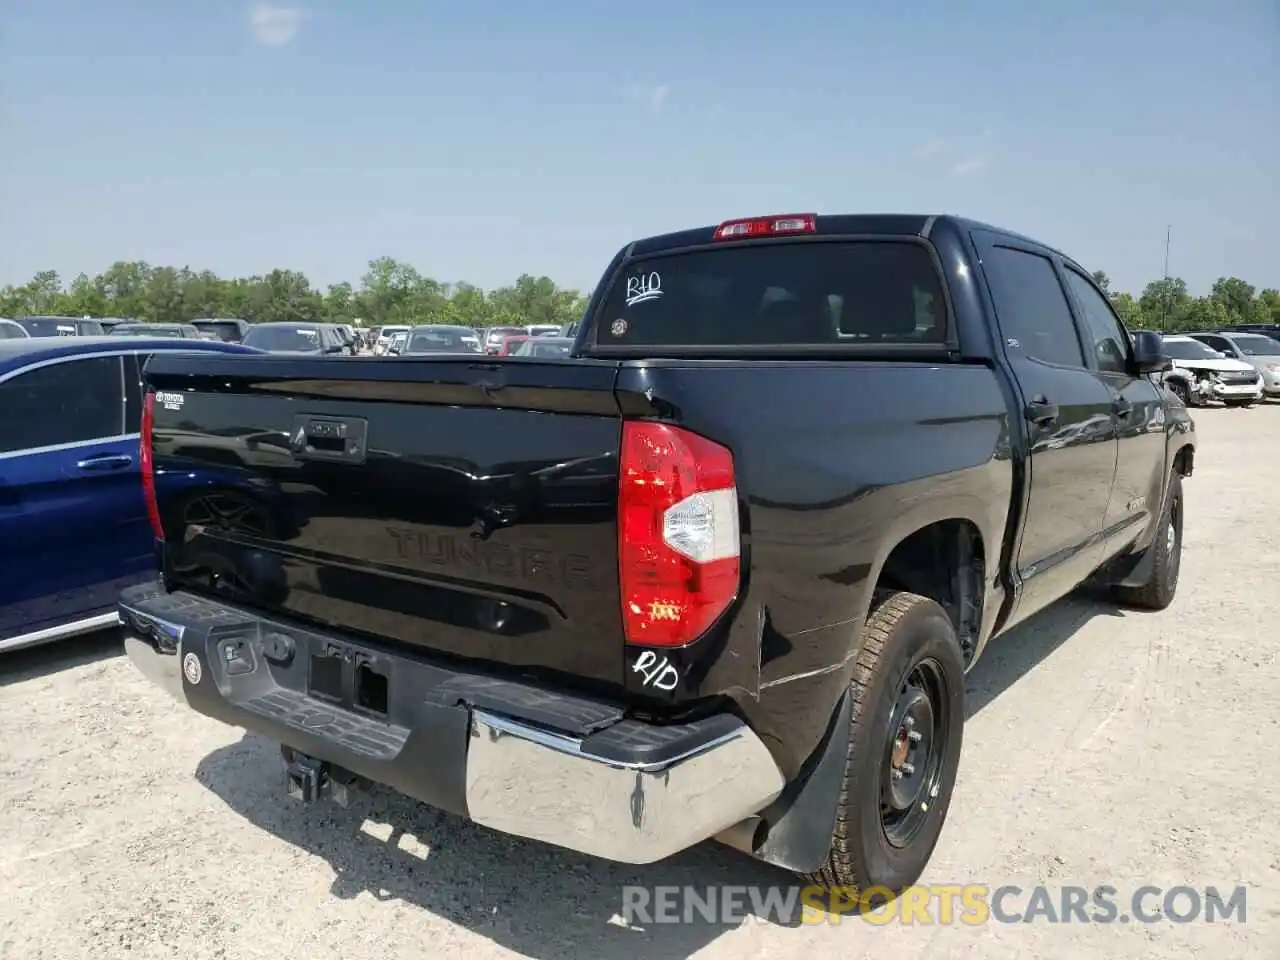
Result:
x=516 y=777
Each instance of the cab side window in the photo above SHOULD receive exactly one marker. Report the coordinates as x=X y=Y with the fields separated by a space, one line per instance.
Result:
x=1106 y=335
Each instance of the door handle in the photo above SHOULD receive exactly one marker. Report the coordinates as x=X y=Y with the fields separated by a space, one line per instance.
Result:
x=109 y=461
x=1122 y=407
x=1042 y=411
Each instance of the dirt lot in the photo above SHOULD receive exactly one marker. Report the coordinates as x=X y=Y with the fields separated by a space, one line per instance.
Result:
x=1105 y=747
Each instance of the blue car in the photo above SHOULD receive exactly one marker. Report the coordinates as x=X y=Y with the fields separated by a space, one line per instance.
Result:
x=74 y=528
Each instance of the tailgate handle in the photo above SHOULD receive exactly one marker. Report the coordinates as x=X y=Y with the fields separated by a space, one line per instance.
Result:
x=319 y=437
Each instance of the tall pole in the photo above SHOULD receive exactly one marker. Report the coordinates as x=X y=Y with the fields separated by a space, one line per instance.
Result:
x=1164 y=299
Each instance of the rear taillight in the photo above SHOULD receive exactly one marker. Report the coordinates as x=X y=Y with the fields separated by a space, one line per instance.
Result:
x=678 y=536
x=147 y=461
x=778 y=225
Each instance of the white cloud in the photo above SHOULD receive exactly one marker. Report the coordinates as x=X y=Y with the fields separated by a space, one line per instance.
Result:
x=932 y=147
x=967 y=167
x=275 y=26
x=653 y=98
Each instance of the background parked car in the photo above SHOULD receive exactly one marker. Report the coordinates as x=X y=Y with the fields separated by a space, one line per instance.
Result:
x=545 y=347
x=318 y=338
x=439 y=338
x=182 y=331
x=1259 y=351
x=493 y=337
x=1200 y=374
x=385 y=334
x=226 y=329
x=73 y=519
x=508 y=345
x=395 y=346
x=12 y=330
x=1271 y=330
x=62 y=327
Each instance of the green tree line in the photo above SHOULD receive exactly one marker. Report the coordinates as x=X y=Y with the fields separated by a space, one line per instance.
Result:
x=1167 y=305
x=395 y=292
x=389 y=292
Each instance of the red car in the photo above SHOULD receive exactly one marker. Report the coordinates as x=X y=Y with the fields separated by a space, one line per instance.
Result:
x=509 y=345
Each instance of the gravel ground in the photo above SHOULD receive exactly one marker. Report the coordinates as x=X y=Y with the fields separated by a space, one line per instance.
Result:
x=1104 y=747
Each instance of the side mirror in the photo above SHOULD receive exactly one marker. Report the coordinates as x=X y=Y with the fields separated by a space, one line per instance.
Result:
x=1148 y=354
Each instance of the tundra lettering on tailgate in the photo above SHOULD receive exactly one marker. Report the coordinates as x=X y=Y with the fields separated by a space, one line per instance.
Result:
x=571 y=570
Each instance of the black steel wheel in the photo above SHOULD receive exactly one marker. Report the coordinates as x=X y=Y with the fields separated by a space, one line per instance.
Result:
x=1166 y=557
x=904 y=747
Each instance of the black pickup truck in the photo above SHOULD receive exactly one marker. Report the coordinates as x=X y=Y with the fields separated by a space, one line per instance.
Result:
x=719 y=573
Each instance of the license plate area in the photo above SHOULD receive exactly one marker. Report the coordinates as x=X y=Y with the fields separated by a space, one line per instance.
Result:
x=351 y=678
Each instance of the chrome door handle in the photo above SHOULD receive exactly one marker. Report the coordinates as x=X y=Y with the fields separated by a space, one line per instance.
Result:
x=110 y=461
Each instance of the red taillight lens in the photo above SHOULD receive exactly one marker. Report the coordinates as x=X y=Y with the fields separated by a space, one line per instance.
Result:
x=678 y=536
x=147 y=464
x=779 y=225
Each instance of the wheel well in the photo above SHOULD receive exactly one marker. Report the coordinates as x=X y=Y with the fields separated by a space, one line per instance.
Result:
x=946 y=562
x=1184 y=461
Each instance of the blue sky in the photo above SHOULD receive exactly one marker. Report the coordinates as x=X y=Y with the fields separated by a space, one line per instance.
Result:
x=482 y=141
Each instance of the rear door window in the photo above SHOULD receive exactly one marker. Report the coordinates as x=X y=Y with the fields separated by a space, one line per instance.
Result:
x=73 y=401
x=1031 y=307
x=823 y=292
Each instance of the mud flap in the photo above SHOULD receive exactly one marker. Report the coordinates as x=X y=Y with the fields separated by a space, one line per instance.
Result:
x=801 y=822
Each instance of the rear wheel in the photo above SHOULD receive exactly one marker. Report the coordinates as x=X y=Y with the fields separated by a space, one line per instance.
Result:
x=904 y=747
x=1158 y=592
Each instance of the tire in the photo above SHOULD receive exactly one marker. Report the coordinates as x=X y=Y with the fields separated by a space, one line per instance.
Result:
x=1158 y=592
x=906 y=638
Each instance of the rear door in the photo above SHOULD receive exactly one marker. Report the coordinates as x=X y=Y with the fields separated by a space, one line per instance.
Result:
x=1068 y=415
x=68 y=466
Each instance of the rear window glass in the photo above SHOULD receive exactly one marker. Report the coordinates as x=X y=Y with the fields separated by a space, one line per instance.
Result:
x=299 y=339
x=442 y=341
x=544 y=347
x=132 y=330
x=226 y=332
x=859 y=292
x=49 y=326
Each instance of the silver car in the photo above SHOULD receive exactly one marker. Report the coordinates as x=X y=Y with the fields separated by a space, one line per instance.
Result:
x=9 y=330
x=1260 y=352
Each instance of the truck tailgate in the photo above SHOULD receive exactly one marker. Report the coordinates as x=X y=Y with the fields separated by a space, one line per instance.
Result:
x=459 y=506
